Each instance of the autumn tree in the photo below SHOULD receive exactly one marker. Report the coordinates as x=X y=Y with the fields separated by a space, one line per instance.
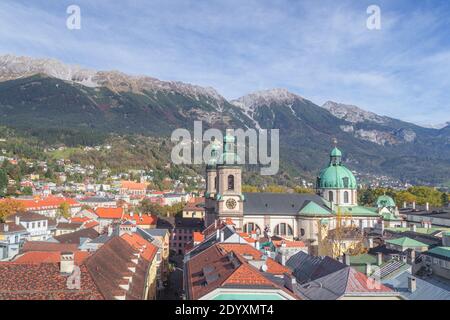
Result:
x=249 y=188
x=299 y=189
x=8 y=207
x=64 y=210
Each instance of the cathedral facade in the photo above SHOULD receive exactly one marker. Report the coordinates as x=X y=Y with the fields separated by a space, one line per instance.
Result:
x=288 y=215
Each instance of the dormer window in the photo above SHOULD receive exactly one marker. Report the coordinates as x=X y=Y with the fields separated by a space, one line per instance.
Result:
x=345 y=182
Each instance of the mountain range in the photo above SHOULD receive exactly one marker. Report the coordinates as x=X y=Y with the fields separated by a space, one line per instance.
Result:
x=46 y=94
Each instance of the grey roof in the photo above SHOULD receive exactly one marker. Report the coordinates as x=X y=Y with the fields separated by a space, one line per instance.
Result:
x=306 y=267
x=330 y=287
x=157 y=232
x=97 y=199
x=263 y=203
x=425 y=289
x=430 y=240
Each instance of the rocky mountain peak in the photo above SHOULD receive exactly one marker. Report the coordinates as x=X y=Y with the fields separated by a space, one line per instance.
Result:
x=352 y=113
x=14 y=67
x=265 y=97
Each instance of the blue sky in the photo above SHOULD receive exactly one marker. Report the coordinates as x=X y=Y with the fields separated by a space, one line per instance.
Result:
x=318 y=49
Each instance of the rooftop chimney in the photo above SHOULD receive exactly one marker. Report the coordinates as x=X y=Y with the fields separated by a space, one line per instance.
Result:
x=222 y=236
x=110 y=230
x=412 y=256
x=17 y=220
x=404 y=204
x=412 y=286
x=427 y=206
x=67 y=262
x=413 y=227
x=5 y=227
x=379 y=258
x=218 y=234
x=414 y=205
x=289 y=281
x=368 y=269
x=346 y=259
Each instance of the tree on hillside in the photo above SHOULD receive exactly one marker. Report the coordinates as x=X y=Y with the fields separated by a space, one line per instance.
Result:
x=249 y=188
x=275 y=188
x=404 y=196
x=8 y=207
x=299 y=189
x=426 y=194
x=444 y=199
x=3 y=182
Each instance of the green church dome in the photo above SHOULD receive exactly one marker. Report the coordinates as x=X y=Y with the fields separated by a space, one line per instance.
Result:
x=336 y=152
x=336 y=175
x=385 y=201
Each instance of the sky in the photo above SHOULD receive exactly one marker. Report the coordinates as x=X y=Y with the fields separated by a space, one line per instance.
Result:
x=321 y=50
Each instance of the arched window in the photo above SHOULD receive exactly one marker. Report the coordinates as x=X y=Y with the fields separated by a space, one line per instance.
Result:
x=283 y=229
x=345 y=196
x=250 y=227
x=330 y=196
x=302 y=232
x=230 y=182
x=345 y=182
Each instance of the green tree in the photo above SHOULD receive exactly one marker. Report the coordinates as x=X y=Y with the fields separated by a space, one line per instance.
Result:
x=28 y=191
x=299 y=189
x=444 y=199
x=64 y=210
x=3 y=182
x=249 y=188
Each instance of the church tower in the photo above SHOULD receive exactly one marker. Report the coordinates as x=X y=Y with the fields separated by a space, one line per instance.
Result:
x=229 y=197
x=211 y=185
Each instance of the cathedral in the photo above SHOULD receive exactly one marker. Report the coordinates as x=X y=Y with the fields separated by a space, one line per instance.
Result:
x=288 y=215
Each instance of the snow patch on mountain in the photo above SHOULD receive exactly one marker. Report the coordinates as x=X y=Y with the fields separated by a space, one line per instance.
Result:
x=249 y=103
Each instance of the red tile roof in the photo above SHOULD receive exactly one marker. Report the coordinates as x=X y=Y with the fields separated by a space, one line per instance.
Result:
x=198 y=236
x=222 y=268
x=49 y=257
x=79 y=219
x=110 y=213
x=246 y=249
x=50 y=202
x=48 y=246
x=288 y=243
x=132 y=185
x=144 y=219
x=44 y=281
x=110 y=263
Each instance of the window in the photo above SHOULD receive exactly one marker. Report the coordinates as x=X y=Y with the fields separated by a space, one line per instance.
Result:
x=230 y=182
x=250 y=227
x=216 y=183
x=345 y=182
x=283 y=229
x=302 y=232
x=39 y=224
x=345 y=196
x=330 y=196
